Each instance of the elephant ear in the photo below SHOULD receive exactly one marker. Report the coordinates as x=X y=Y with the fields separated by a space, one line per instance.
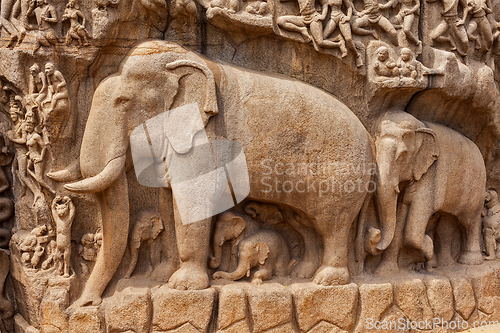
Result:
x=184 y=122
x=262 y=252
x=157 y=225
x=427 y=151
x=237 y=225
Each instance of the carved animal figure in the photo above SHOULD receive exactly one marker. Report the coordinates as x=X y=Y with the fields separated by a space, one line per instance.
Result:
x=267 y=250
x=230 y=227
x=148 y=225
x=437 y=171
x=235 y=104
x=491 y=225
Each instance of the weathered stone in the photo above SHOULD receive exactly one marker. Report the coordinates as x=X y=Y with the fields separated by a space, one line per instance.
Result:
x=129 y=309
x=325 y=327
x=463 y=295
x=238 y=327
x=22 y=326
x=178 y=308
x=270 y=306
x=336 y=305
x=410 y=297
x=232 y=308
x=374 y=300
x=486 y=288
x=53 y=305
x=390 y=322
x=440 y=295
x=85 y=319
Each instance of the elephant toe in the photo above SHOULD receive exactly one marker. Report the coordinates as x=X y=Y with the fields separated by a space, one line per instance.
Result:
x=331 y=276
x=470 y=258
x=189 y=278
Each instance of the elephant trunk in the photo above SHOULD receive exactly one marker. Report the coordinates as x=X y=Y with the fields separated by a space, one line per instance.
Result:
x=216 y=259
x=102 y=180
x=387 y=199
x=243 y=269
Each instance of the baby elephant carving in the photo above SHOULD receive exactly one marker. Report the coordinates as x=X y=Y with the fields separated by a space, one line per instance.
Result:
x=267 y=250
x=148 y=225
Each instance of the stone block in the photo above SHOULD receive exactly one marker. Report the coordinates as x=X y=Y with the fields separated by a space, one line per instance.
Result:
x=440 y=295
x=325 y=327
x=54 y=303
x=232 y=309
x=336 y=305
x=270 y=306
x=410 y=297
x=486 y=287
x=463 y=294
x=129 y=309
x=85 y=319
x=374 y=300
x=173 y=308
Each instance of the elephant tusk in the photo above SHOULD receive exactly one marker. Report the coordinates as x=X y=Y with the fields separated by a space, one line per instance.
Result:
x=102 y=180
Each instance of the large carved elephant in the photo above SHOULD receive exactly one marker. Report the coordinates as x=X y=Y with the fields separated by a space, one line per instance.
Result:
x=434 y=171
x=280 y=123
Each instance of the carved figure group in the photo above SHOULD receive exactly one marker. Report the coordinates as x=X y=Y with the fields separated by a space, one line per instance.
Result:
x=491 y=225
x=76 y=30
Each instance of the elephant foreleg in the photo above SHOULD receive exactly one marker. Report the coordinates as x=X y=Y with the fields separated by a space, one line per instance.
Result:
x=169 y=264
x=192 y=243
x=389 y=263
x=419 y=214
x=114 y=204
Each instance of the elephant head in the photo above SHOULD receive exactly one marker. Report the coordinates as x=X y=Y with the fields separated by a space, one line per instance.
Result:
x=406 y=149
x=228 y=226
x=155 y=77
x=250 y=255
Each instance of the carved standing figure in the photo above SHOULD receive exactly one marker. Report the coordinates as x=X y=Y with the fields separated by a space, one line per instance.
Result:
x=76 y=30
x=479 y=22
x=46 y=16
x=118 y=107
x=453 y=25
x=18 y=135
x=37 y=149
x=437 y=171
x=267 y=250
x=491 y=225
x=148 y=225
x=63 y=212
x=37 y=85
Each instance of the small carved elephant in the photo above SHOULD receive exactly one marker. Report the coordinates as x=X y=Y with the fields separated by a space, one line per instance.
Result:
x=267 y=250
x=148 y=225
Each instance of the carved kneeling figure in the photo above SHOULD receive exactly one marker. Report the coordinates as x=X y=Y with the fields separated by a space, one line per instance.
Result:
x=267 y=250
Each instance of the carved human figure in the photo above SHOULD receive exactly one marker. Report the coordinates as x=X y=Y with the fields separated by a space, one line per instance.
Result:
x=18 y=135
x=479 y=22
x=63 y=212
x=46 y=16
x=88 y=251
x=491 y=225
x=36 y=152
x=384 y=66
x=9 y=10
x=76 y=30
x=258 y=8
x=406 y=64
x=148 y=226
x=370 y=15
x=34 y=242
x=309 y=17
x=267 y=250
x=57 y=87
x=406 y=16
x=37 y=85
x=341 y=20
x=453 y=25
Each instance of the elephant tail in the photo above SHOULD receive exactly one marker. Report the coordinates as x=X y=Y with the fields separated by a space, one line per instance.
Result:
x=291 y=265
x=360 y=235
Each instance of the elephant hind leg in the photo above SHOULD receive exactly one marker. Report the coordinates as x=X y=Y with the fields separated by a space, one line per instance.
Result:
x=471 y=251
x=334 y=234
x=114 y=204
